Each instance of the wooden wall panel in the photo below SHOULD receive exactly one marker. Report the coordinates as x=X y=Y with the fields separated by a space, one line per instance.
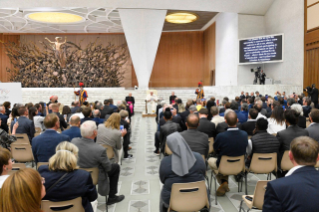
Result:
x=4 y=59
x=209 y=55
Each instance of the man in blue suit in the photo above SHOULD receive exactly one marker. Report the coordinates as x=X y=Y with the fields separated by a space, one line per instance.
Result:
x=74 y=131
x=241 y=117
x=233 y=142
x=43 y=146
x=298 y=191
x=97 y=119
x=25 y=124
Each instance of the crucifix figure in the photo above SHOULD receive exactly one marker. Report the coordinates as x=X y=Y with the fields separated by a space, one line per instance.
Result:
x=58 y=51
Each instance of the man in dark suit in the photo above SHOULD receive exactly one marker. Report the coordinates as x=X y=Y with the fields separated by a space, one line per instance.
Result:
x=241 y=117
x=4 y=119
x=87 y=112
x=242 y=96
x=286 y=136
x=107 y=110
x=55 y=109
x=168 y=128
x=190 y=110
x=205 y=125
x=97 y=119
x=74 y=131
x=313 y=128
x=314 y=95
x=250 y=125
x=92 y=155
x=25 y=124
x=222 y=127
x=77 y=105
x=306 y=107
x=224 y=145
x=197 y=141
x=298 y=191
x=43 y=146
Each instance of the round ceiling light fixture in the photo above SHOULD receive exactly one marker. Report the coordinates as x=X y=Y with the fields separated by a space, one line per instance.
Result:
x=55 y=18
x=181 y=17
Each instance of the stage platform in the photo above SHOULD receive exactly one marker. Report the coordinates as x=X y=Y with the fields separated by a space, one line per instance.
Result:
x=66 y=95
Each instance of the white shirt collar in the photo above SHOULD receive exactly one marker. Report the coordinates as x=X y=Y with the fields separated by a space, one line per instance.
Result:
x=232 y=129
x=249 y=120
x=291 y=171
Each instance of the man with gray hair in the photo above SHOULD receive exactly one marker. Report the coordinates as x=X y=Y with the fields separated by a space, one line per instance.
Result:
x=301 y=119
x=92 y=155
x=97 y=115
x=74 y=130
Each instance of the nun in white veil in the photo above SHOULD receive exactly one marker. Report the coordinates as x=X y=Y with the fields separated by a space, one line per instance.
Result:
x=183 y=166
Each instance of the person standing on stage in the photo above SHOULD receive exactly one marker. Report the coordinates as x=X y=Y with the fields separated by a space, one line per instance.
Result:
x=262 y=77
x=314 y=95
x=200 y=91
x=83 y=95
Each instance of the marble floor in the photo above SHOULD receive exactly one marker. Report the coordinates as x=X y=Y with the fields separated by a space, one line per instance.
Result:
x=139 y=179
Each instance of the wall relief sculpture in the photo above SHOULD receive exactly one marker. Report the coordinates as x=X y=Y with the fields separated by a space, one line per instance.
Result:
x=62 y=63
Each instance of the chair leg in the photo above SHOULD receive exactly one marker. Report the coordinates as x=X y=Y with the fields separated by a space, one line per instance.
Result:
x=246 y=183
x=215 y=190
x=211 y=182
x=240 y=206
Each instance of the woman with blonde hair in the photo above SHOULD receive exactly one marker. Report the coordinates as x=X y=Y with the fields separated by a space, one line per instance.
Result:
x=64 y=181
x=110 y=134
x=22 y=191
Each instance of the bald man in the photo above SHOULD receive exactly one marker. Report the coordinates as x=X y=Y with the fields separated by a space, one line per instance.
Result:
x=197 y=141
x=233 y=142
x=74 y=131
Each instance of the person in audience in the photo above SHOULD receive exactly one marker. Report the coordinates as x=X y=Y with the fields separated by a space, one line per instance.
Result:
x=186 y=113
x=222 y=127
x=250 y=103
x=78 y=113
x=107 y=109
x=298 y=191
x=242 y=95
x=244 y=109
x=197 y=141
x=210 y=104
x=7 y=106
x=110 y=134
x=261 y=141
x=183 y=166
x=224 y=145
x=74 y=130
x=180 y=106
x=53 y=99
x=97 y=119
x=263 y=99
x=205 y=125
x=25 y=124
x=37 y=120
x=216 y=118
x=313 y=93
x=247 y=96
x=66 y=112
x=301 y=119
x=241 y=117
x=199 y=104
x=4 y=119
x=252 y=96
x=286 y=136
x=167 y=128
x=43 y=146
x=14 y=115
x=126 y=139
x=63 y=165
x=225 y=106
x=77 y=105
x=92 y=155
x=176 y=118
x=258 y=106
x=5 y=139
x=112 y=105
x=290 y=102
x=306 y=106
x=5 y=164
x=63 y=123
x=257 y=94
x=313 y=128
x=22 y=191
x=87 y=112
x=250 y=125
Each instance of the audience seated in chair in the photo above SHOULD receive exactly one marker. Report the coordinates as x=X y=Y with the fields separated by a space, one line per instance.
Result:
x=43 y=146
x=87 y=112
x=216 y=118
x=183 y=166
x=22 y=191
x=97 y=117
x=93 y=155
x=276 y=122
x=301 y=119
x=74 y=130
x=261 y=141
x=205 y=126
x=298 y=191
x=55 y=109
x=233 y=142
x=110 y=134
x=313 y=128
x=5 y=139
x=5 y=164
x=74 y=182
x=249 y=126
x=25 y=124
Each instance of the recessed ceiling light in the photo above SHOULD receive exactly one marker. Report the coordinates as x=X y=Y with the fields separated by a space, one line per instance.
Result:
x=181 y=17
x=55 y=18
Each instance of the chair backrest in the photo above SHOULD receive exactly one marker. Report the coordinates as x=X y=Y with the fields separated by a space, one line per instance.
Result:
x=74 y=205
x=109 y=151
x=22 y=138
x=168 y=150
x=274 y=134
x=21 y=152
x=16 y=167
x=94 y=174
x=249 y=137
x=41 y=164
x=188 y=196
x=286 y=163
x=211 y=145
x=258 y=200
x=230 y=165
x=38 y=129
x=36 y=134
x=263 y=163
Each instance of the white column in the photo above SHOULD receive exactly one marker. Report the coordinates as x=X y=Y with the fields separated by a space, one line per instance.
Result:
x=143 y=29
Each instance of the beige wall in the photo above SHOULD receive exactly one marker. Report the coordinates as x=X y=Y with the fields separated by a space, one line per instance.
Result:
x=116 y=39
